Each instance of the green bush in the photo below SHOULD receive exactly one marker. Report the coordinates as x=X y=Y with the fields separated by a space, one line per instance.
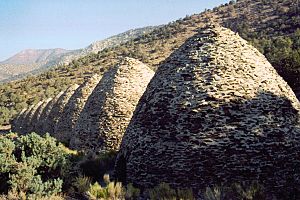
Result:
x=112 y=190
x=32 y=165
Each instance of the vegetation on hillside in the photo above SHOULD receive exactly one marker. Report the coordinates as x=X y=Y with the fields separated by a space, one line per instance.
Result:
x=271 y=27
x=278 y=40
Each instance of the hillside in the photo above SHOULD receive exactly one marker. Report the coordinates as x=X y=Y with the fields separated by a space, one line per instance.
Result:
x=34 y=61
x=271 y=27
x=28 y=60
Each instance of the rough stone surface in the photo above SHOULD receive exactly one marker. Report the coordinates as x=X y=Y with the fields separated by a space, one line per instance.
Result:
x=57 y=109
x=215 y=112
x=27 y=126
x=109 y=108
x=37 y=114
x=66 y=123
x=42 y=120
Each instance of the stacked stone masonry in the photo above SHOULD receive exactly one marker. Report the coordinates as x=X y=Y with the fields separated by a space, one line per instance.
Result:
x=57 y=109
x=27 y=126
x=215 y=112
x=40 y=126
x=109 y=108
x=66 y=123
x=36 y=116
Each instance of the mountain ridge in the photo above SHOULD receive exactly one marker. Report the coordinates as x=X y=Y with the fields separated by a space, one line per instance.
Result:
x=33 y=61
x=28 y=56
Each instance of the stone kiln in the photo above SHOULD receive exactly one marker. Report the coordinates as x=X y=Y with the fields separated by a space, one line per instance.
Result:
x=66 y=123
x=109 y=108
x=36 y=116
x=41 y=123
x=27 y=125
x=57 y=109
x=215 y=112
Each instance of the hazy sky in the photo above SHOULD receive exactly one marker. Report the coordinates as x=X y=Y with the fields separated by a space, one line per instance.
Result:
x=72 y=24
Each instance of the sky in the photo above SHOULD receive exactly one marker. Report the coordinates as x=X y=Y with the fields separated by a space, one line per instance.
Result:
x=73 y=24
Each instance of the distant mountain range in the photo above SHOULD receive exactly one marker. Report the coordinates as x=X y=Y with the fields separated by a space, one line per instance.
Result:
x=30 y=56
x=32 y=61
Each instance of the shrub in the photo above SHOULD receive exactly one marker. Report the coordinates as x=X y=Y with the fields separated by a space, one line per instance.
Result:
x=82 y=183
x=96 y=191
x=162 y=191
x=110 y=191
x=12 y=195
x=165 y=192
x=32 y=165
x=244 y=190
x=248 y=191
x=215 y=193
x=132 y=192
x=185 y=194
x=113 y=190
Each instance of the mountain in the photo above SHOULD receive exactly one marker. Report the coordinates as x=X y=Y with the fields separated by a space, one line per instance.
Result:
x=273 y=28
x=28 y=60
x=30 y=56
x=33 y=61
x=103 y=44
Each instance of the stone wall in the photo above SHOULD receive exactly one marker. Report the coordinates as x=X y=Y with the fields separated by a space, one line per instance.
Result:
x=66 y=123
x=109 y=108
x=215 y=112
